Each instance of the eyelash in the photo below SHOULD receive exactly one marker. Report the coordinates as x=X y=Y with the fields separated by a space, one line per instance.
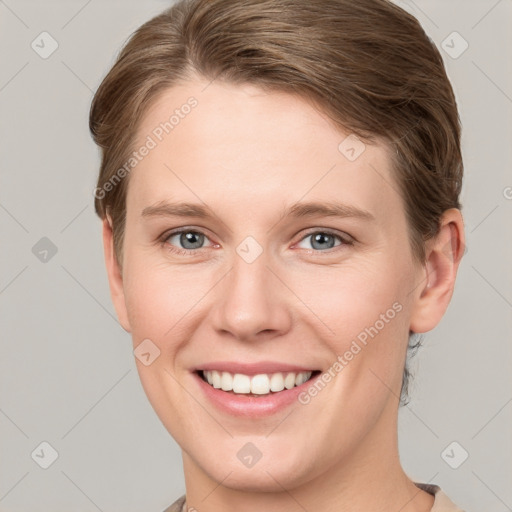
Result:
x=345 y=240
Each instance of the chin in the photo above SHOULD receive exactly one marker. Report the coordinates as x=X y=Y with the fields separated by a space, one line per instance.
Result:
x=270 y=473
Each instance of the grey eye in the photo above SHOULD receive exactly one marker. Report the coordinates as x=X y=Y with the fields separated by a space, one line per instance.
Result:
x=188 y=240
x=321 y=240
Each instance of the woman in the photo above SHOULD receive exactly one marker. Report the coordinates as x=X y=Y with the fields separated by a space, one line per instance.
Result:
x=238 y=137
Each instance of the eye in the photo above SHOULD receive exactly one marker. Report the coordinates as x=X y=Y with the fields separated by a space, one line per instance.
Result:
x=325 y=240
x=189 y=239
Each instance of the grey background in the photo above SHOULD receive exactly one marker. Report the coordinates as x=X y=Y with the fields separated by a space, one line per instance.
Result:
x=67 y=372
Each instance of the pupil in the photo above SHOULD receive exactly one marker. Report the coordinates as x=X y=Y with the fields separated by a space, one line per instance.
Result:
x=189 y=238
x=321 y=238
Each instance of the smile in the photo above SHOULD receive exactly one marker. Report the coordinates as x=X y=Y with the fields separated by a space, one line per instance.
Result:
x=260 y=384
x=254 y=389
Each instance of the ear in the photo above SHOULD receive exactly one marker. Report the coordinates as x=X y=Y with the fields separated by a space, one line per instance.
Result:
x=443 y=255
x=115 y=278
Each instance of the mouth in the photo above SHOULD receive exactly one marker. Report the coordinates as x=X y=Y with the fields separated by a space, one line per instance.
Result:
x=259 y=385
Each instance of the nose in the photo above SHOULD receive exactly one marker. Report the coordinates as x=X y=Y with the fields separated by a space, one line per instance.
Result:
x=251 y=302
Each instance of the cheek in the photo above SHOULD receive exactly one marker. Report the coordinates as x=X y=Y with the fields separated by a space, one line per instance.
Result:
x=342 y=301
x=348 y=299
x=354 y=301
x=363 y=314
x=161 y=300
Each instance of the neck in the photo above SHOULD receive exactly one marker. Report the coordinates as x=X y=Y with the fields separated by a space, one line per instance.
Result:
x=368 y=478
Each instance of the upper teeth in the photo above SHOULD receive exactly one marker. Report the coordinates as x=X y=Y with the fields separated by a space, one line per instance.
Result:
x=260 y=384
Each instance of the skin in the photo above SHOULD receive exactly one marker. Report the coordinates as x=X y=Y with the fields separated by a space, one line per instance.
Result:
x=248 y=155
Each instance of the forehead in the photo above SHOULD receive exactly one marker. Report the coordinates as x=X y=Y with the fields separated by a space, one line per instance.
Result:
x=237 y=144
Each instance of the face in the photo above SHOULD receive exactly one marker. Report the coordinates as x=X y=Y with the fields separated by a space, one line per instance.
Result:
x=291 y=261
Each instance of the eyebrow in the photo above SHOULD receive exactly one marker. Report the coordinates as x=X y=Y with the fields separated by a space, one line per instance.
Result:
x=297 y=210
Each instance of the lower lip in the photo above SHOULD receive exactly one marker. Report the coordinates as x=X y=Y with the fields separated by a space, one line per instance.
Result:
x=251 y=406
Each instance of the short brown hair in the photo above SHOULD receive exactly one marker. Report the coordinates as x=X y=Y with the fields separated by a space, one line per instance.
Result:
x=368 y=65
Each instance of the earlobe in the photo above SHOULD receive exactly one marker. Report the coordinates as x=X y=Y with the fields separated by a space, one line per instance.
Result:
x=443 y=255
x=115 y=278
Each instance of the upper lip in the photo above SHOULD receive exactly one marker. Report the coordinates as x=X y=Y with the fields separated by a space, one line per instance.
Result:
x=253 y=368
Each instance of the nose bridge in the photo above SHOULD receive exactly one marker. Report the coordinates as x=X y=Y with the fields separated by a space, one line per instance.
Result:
x=250 y=300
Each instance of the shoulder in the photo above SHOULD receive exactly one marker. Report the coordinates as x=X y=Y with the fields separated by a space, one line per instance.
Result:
x=442 y=503
x=177 y=506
